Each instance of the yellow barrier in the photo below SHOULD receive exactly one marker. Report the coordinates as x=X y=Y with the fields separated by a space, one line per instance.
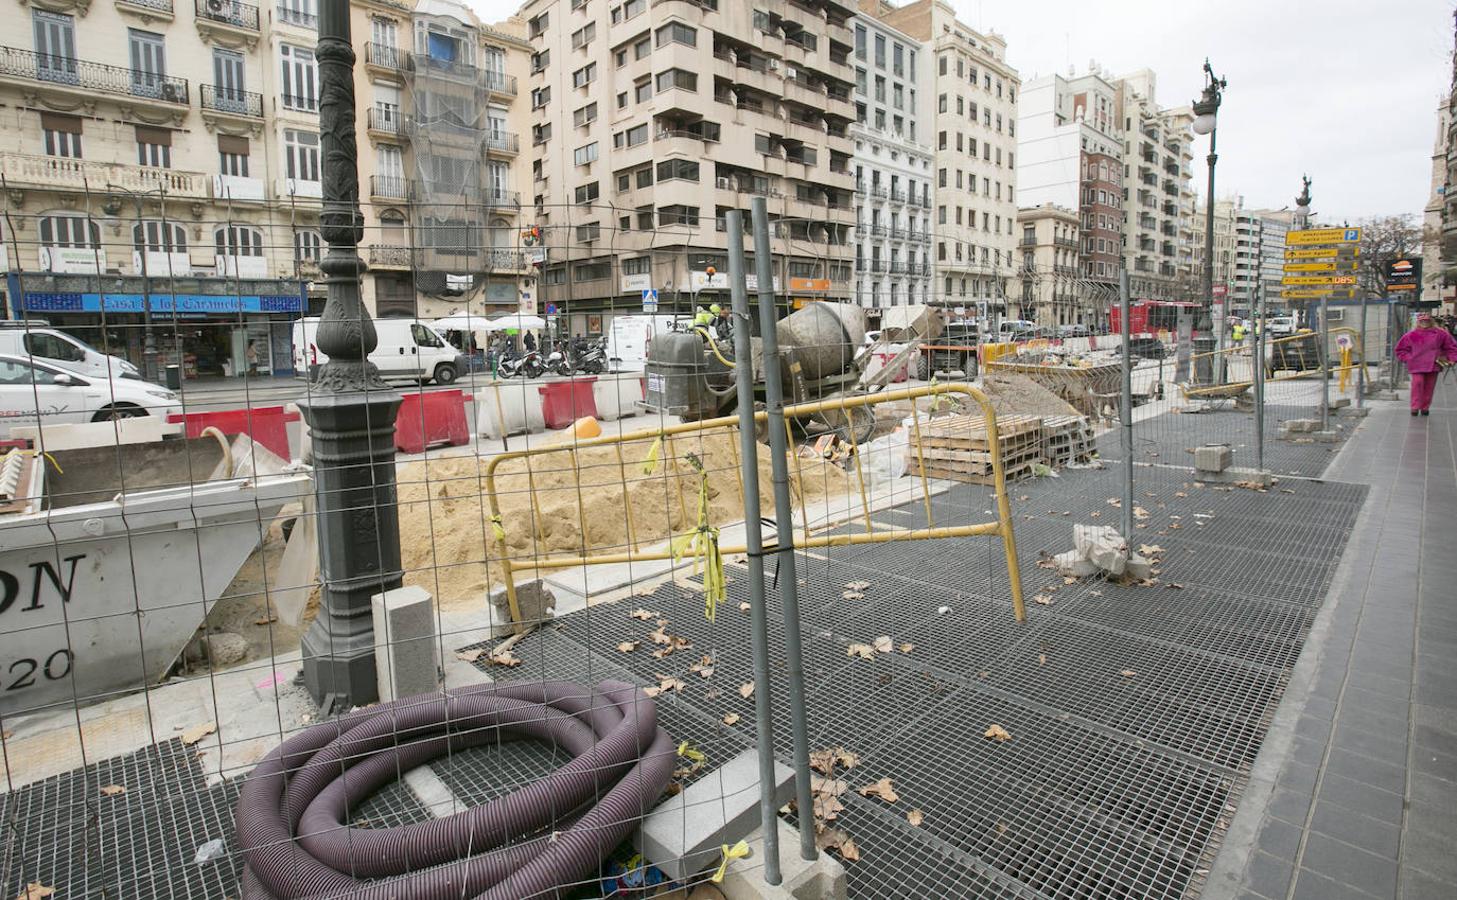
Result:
x=1224 y=391
x=992 y=352
x=1002 y=526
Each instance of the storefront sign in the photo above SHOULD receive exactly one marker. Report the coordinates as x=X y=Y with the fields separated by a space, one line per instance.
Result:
x=632 y=284
x=809 y=284
x=38 y=301
x=72 y=260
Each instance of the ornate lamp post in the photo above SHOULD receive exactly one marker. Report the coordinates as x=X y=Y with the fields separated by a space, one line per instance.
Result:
x=1206 y=121
x=350 y=411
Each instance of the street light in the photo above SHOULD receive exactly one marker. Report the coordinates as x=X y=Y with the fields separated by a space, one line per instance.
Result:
x=1206 y=120
x=1302 y=203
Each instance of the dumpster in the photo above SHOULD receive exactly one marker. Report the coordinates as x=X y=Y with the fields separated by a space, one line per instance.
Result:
x=564 y=402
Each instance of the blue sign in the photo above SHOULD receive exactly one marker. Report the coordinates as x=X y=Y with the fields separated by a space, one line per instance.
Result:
x=180 y=304
x=650 y=300
x=551 y=309
x=1353 y=234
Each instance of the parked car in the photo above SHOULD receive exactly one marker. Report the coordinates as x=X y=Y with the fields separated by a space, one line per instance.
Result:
x=1281 y=325
x=41 y=342
x=408 y=350
x=34 y=392
x=1068 y=331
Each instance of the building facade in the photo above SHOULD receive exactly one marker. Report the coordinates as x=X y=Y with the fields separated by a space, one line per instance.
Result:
x=649 y=122
x=1050 y=289
x=1259 y=259
x=1434 y=285
x=1158 y=230
x=894 y=192
x=144 y=207
x=975 y=140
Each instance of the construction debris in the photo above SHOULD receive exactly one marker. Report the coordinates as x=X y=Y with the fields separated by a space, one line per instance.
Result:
x=1100 y=548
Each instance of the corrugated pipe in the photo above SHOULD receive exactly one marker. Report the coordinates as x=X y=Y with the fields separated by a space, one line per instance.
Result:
x=293 y=814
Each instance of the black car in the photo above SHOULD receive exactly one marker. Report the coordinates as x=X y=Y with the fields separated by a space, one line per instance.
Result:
x=1147 y=348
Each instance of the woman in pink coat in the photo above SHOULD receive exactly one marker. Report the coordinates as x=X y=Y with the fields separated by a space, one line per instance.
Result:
x=1426 y=350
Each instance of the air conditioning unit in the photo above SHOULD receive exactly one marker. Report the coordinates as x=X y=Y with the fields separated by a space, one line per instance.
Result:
x=774 y=65
x=173 y=93
x=724 y=184
x=215 y=6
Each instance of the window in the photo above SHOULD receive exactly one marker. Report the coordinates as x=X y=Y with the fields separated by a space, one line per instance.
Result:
x=880 y=89
x=584 y=35
x=628 y=10
x=307 y=246
x=586 y=193
x=898 y=61
x=620 y=57
x=898 y=97
x=681 y=169
x=540 y=97
x=678 y=215
x=149 y=63
x=154 y=147
x=622 y=100
x=383 y=33
x=643 y=90
x=585 y=154
x=645 y=176
x=594 y=271
x=911 y=68
x=232 y=155
x=880 y=51
x=555 y=275
x=62 y=134
x=55 y=47
x=637 y=265
x=301 y=155
x=300 y=78
x=638 y=134
x=540 y=60
x=677 y=33
x=238 y=240
x=679 y=79
x=584 y=116
x=624 y=182
x=159 y=237
x=642 y=49
x=536 y=25
x=540 y=134
x=585 y=75
x=860 y=42
x=589 y=232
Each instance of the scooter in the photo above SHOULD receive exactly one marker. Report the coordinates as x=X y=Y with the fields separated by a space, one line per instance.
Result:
x=591 y=356
x=560 y=362
x=528 y=364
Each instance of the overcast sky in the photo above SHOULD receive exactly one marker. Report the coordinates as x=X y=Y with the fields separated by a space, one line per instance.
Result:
x=1345 y=90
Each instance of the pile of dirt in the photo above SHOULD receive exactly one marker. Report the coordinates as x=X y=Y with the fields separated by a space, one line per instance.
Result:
x=447 y=542
x=1014 y=394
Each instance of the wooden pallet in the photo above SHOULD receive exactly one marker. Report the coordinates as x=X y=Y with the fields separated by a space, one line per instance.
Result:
x=1067 y=439
x=953 y=472
x=970 y=433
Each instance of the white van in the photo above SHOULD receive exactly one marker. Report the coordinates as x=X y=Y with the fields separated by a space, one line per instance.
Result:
x=48 y=345
x=629 y=337
x=408 y=350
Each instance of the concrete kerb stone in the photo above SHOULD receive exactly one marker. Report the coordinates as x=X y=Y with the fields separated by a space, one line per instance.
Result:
x=1213 y=459
x=535 y=600
x=406 y=657
x=821 y=879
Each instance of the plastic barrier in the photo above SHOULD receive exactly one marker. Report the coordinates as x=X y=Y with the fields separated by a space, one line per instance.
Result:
x=992 y=352
x=266 y=425
x=617 y=398
x=505 y=408
x=431 y=417
x=564 y=402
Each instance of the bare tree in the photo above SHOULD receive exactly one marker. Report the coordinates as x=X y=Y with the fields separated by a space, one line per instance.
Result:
x=1385 y=238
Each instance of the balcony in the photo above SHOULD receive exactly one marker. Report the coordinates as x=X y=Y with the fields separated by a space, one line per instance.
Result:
x=229 y=102
x=1065 y=242
x=505 y=260
x=878 y=231
x=897 y=234
x=877 y=266
x=499 y=83
x=502 y=142
x=897 y=196
x=290 y=16
x=383 y=56
x=500 y=198
x=387 y=256
x=300 y=189
x=899 y=268
x=879 y=193
x=147 y=9
x=305 y=103
x=385 y=120
x=388 y=187
x=79 y=76
x=228 y=13
x=61 y=173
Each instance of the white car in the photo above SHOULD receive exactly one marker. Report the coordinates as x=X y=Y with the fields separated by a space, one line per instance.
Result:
x=34 y=392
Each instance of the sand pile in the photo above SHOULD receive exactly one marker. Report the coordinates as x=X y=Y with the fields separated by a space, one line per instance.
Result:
x=446 y=541
x=1012 y=393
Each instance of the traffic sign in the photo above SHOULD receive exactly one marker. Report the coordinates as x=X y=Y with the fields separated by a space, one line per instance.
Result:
x=1322 y=236
x=551 y=309
x=1344 y=251
x=1315 y=280
x=1344 y=265
x=1340 y=293
x=650 y=300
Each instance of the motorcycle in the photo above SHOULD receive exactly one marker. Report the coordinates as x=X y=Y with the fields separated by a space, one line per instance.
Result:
x=529 y=364
x=559 y=361
x=590 y=356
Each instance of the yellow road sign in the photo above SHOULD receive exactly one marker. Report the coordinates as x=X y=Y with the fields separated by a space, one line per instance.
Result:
x=1323 y=252
x=1322 y=236
x=1316 y=280
x=1348 y=265
x=1343 y=293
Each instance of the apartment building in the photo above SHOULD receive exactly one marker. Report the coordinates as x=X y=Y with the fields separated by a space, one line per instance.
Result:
x=1158 y=231
x=1259 y=259
x=893 y=167
x=1434 y=285
x=1226 y=213
x=1070 y=155
x=1050 y=288
x=141 y=195
x=649 y=122
x=975 y=141
x=441 y=162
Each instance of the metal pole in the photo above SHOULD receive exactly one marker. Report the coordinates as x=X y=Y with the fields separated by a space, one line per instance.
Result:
x=1218 y=321
x=350 y=412
x=783 y=524
x=1259 y=376
x=1361 y=372
x=1125 y=407
x=754 y=540
x=1325 y=371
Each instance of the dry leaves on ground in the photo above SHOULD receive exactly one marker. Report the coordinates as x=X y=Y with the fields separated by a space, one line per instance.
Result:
x=703 y=668
x=857 y=585
x=852 y=595
x=35 y=891
x=884 y=644
x=915 y=817
x=1115 y=502
x=112 y=790
x=504 y=658
x=997 y=733
x=644 y=614
x=627 y=646
x=198 y=732
x=819 y=784
x=470 y=656
x=837 y=840
x=1140 y=513
x=745 y=606
x=1043 y=599
x=906 y=648
x=665 y=683
x=269 y=620
x=827 y=807
x=731 y=719
x=882 y=789
x=1150 y=549
x=1174 y=585
x=864 y=651
x=1042 y=659
x=746 y=690
x=1128 y=673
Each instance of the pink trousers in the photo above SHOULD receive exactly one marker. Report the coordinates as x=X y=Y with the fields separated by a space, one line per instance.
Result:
x=1423 y=385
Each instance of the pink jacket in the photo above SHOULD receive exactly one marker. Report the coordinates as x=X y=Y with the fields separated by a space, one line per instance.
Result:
x=1420 y=348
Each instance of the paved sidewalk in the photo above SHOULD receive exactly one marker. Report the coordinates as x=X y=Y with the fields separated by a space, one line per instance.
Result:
x=1355 y=792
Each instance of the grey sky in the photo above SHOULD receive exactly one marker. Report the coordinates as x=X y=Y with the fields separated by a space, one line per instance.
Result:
x=1345 y=90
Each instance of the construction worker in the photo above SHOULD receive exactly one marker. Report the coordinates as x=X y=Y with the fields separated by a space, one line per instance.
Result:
x=702 y=318
x=1238 y=333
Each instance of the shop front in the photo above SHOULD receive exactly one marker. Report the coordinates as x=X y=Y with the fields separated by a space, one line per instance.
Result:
x=210 y=327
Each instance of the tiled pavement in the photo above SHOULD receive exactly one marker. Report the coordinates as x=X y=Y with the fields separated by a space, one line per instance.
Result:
x=1355 y=791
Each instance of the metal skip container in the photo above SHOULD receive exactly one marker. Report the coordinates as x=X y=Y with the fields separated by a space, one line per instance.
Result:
x=103 y=597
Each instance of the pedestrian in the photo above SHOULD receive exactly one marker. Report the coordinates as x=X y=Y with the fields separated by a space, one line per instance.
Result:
x=251 y=356
x=1426 y=350
x=530 y=342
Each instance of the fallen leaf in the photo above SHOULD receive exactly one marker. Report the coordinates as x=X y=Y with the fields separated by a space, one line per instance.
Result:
x=627 y=646
x=1095 y=514
x=1286 y=491
x=838 y=841
x=112 y=790
x=745 y=606
x=731 y=719
x=852 y=595
x=1150 y=549
x=915 y=817
x=1068 y=579
x=644 y=614
x=1043 y=600
x=1001 y=828
x=1046 y=564
x=504 y=658
x=864 y=651
x=997 y=733
x=1042 y=659
x=1115 y=502
x=1172 y=585
x=846 y=758
x=746 y=690
x=827 y=807
x=1140 y=513
x=198 y=732
x=37 y=891
x=857 y=585
x=884 y=644
x=266 y=621
x=1128 y=673
x=906 y=648
x=470 y=656
x=660 y=636
x=882 y=789
x=822 y=761
x=819 y=784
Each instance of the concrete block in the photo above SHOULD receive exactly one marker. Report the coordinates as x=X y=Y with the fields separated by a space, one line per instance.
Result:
x=685 y=834
x=535 y=599
x=76 y=435
x=616 y=397
x=1325 y=437
x=823 y=879
x=1101 y=545
x=1233 y=474
x=406 y=658
x=1138 y=567
x=512 y=407
x=1213 y=458
x=1300 y=426
x=1072 y=564
x=1340 y=403
x=1354 y=412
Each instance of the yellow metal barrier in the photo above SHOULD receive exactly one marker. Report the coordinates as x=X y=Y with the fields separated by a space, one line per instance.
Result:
x=730 y=424
x=1228 y=390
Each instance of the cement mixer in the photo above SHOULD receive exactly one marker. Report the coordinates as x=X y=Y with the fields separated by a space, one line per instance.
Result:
x=823 y=354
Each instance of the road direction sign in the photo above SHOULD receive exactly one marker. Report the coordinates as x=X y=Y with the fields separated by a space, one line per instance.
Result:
x=1339 y=293
x=1312 y=236
x=1317 y=280
x=1344 y=265
x=1344 y=251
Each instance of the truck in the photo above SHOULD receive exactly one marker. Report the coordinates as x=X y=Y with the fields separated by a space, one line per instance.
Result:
x=823 y=355
x=954 y=351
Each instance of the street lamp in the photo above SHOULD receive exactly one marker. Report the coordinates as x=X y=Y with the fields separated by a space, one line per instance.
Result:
x=1206 y=121
x=1302 y=203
